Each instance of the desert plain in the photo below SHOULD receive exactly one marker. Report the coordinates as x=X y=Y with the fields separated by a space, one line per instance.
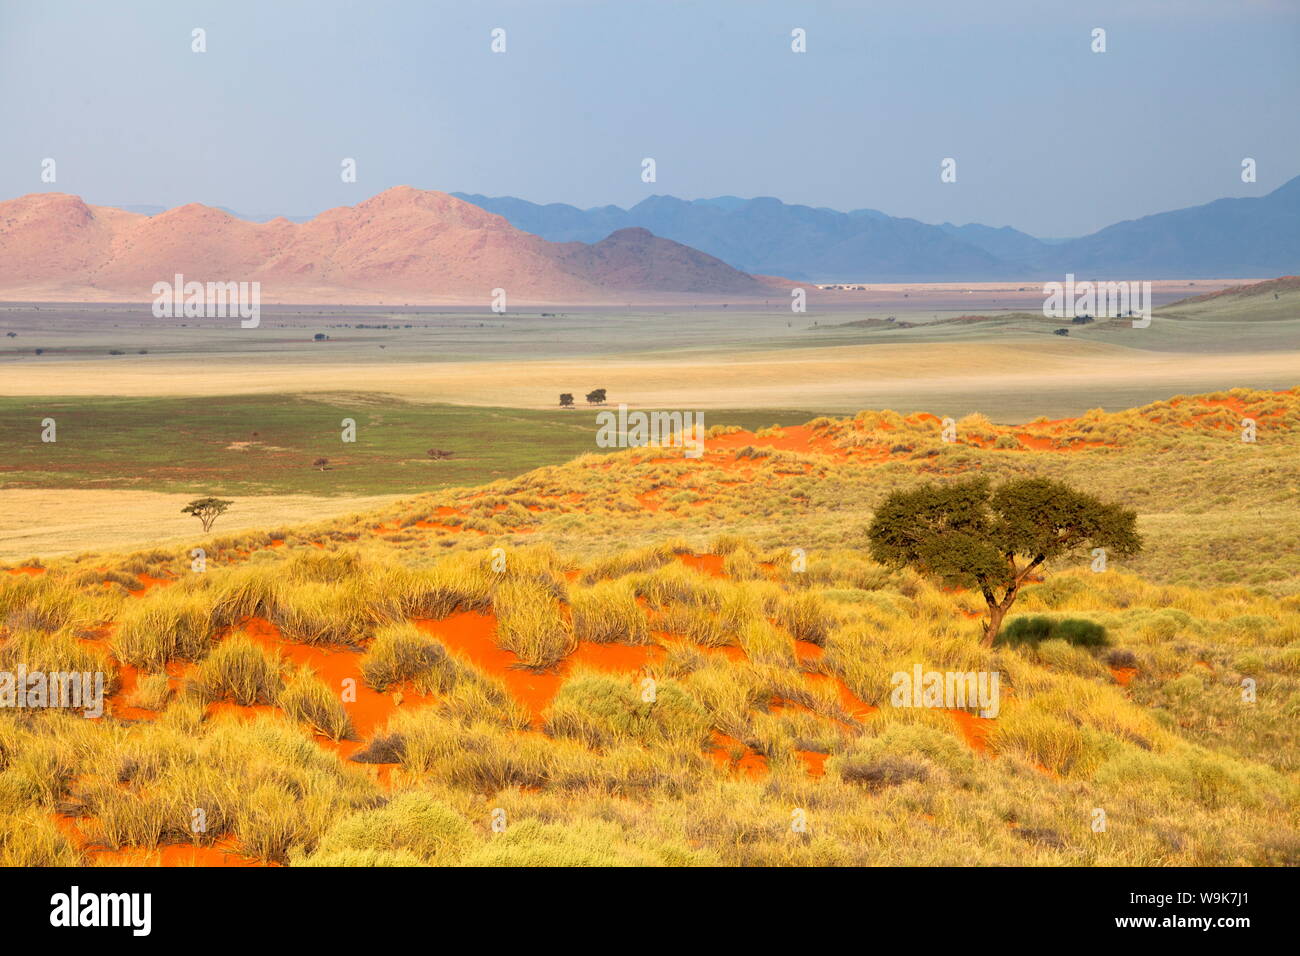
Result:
x=432 y=645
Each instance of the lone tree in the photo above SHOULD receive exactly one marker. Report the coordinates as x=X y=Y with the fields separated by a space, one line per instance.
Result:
x=207 y=510
x=596 y=397
x=566 y=399
x=966 y=535
x=321 y=463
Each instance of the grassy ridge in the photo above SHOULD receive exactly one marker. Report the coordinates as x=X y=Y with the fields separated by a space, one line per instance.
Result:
x=773 y=680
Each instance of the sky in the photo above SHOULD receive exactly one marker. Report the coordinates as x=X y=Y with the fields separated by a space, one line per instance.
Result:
x=1048 y=136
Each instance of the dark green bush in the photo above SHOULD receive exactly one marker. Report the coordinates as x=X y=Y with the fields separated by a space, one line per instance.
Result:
x=1031 y=630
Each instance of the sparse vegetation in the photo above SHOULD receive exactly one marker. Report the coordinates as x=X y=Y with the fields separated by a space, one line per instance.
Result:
x=656 y=686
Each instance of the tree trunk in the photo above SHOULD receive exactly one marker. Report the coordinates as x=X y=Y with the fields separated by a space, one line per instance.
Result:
x=993 y=625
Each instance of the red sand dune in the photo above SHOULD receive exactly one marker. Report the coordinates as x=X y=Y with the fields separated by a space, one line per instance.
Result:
x=404 y=245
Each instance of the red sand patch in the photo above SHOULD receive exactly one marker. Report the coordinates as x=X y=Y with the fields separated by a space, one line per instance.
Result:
x=223 y=853
x=333 y=666
x=649 y=500
x=1123 y=675
x=474 y=636
x=1036 y=442
x=727 y=753
x=808 y=651
x=853 y=705
x=27 y=570
x=118 y=704
x=148 y=582
x=228 y=708
x=814 y=762
x=974 y=730
x=797 y=438
x=710 y=564
x=616 y=658
x=129 y=677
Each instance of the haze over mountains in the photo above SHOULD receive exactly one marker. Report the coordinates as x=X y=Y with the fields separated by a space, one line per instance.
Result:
x=414 y=246
x=404 y=245
x=1227 y=238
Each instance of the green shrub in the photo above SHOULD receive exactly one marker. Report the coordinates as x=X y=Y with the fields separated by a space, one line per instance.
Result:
x=1032 y=630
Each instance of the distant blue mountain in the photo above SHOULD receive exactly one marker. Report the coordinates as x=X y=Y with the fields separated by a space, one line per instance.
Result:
x=1222 y=239
x=1227 y=238
x=766 y=236
x=1009 y=245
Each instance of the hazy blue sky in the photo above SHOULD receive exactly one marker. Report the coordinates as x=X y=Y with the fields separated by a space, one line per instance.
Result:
x=1048 y=136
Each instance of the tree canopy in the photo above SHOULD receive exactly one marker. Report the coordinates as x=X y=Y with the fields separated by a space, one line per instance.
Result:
x=207 y=510
x=966 y=534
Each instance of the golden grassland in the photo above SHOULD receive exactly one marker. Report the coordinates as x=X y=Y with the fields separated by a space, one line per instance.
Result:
x=59 y=521
x=501 y=638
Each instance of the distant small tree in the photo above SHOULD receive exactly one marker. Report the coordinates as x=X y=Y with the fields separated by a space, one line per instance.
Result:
x=566 y=398
x=596 y=397
x=965 y=535
x=14 y=335
x=319 y=337
x=207 y=510
x=321 y=463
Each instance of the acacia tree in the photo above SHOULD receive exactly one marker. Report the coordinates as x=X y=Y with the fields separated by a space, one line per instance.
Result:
x=596 y=397
x=966 y=535
x=207 y=510
x=566 y=399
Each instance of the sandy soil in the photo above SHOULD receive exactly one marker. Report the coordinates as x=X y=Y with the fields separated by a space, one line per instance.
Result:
x=52 y=522
x=1061 y=378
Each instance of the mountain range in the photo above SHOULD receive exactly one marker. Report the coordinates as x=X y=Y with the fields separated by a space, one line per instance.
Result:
x=415 y=246
x=1227 y=238
x=404 y=245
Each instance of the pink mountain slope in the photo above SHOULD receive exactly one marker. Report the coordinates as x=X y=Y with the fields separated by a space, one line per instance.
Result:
x=404 y=245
